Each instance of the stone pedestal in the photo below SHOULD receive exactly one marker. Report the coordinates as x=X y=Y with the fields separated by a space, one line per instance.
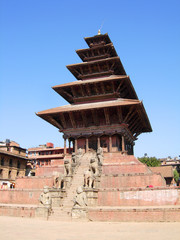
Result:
x=74 y=165
x=57 y=196
x=42 y=212
x=92 y=196
x=68 y=180
x=78 y=212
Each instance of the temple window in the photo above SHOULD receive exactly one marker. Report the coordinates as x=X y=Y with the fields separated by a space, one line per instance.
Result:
x=18 y=164
x=2 y=161
x=10 y=162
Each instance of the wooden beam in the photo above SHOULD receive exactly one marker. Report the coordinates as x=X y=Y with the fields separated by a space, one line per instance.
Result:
x=63 y=120
x=90 y=69
x=103 y=89
x=82 y=90
x=54 y=122
x=112 y=66
x=106 y=113
x=73 y=123
x=132 y=120
x=94 y=115
x=129 y=113
x=130 y=117
x=121 y=83
x=73 y=91
x=99 y=68
x=76 y=70
x=88 y=90
x=113 y=87
x=138 y=128
x=85 y=121
x=67 y=94
x=81 y=70
x=133 y=125
x=96 y=89
x=124 y=92
x=119 y=112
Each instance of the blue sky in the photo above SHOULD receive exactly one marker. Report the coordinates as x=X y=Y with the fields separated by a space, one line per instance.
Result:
x=39 y=38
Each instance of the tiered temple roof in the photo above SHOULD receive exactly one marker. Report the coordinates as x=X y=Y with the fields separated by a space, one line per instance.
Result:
x=103 y=100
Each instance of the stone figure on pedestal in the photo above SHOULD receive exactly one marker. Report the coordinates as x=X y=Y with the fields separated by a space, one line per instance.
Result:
x=91 y=174
x=80 y=199
x=68 y=168
x=45 y=198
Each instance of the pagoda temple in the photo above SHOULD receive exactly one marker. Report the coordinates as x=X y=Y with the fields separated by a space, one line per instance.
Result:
x=104 y=110
x=110 y=184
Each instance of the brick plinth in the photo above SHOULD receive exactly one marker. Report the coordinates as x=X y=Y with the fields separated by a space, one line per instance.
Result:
x=20 y=196
x=17 y=211
x=170 y=214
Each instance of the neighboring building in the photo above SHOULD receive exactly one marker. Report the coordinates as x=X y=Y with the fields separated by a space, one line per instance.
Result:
x=12 y=163
x=166 y=172
x=45 y=156
x=174 y=162
x=104 y=109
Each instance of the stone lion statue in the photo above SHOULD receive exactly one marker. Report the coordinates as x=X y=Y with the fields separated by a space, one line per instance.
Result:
x=68 y=168
x=88 y=179
x=58 y=180
x=91 y=174
x=100 y=156
x=94 y=167
x=73 y=157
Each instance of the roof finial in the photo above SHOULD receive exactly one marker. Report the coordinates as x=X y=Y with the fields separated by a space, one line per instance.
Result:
x=99 y=32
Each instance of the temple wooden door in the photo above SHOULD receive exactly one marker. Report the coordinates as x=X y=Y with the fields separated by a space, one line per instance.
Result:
x=93 y=143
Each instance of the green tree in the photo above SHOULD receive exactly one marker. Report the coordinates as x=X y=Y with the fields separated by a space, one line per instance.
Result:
x=176 y=175
x=150 y=161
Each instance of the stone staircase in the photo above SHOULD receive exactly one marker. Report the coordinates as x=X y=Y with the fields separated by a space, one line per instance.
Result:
x=64 y=213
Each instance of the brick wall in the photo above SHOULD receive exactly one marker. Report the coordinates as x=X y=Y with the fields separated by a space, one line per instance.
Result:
x=33 y=182
x=136 y=180
x=57 y=162
x=15 y=211
x=123 y=169
x=20 y=196
x=145 y=197
x=48 y=171
x=117 y=157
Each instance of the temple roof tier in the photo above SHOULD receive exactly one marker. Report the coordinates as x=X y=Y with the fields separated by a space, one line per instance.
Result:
x=98 y=68
x=100 y=39
x=97 y=52
x=113 y=86
x=127 y=111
